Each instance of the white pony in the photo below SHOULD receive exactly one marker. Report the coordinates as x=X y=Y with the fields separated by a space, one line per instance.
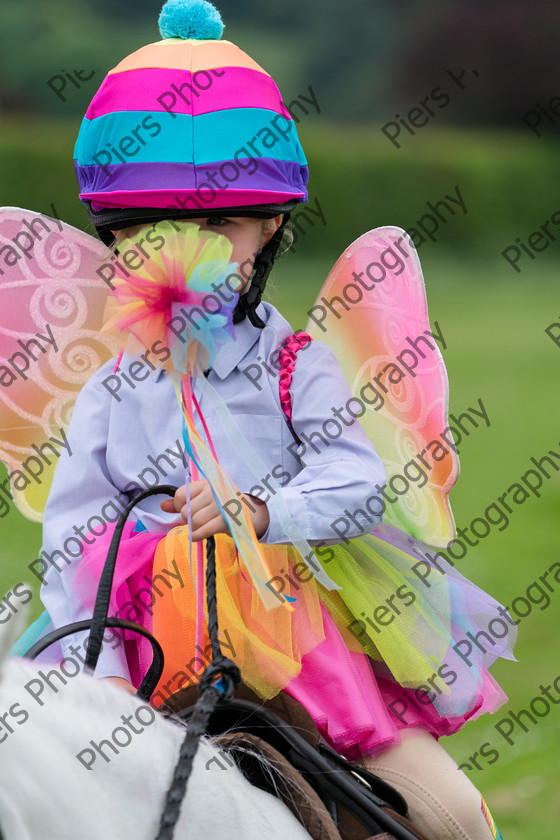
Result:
x=81 y=759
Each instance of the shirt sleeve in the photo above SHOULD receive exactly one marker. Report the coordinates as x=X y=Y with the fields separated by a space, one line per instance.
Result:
x=337 y=495
x=81 y=487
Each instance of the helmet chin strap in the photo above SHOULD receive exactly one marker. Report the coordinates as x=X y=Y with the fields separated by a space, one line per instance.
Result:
x=248 y=303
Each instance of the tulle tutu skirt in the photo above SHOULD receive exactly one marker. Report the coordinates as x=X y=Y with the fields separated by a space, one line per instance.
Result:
x=405 y=641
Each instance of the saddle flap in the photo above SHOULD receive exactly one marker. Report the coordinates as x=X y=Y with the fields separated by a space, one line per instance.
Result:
x=268 y=770
x=374 y=807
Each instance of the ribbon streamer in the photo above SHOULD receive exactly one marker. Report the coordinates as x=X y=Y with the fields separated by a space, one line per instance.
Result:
x=166 y=300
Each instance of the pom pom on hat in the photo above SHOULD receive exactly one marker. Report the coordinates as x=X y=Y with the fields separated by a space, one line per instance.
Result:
x=190 y=19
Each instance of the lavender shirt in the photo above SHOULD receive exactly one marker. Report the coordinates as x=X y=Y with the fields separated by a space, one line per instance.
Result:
x=128 y=435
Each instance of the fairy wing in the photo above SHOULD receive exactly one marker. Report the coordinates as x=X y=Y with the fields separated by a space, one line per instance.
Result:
x=51 y=311
x=372 y=311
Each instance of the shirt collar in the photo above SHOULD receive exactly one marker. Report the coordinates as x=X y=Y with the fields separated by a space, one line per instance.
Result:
x=231 y=353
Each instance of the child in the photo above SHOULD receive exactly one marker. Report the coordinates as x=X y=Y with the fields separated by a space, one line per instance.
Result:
x=217 y=147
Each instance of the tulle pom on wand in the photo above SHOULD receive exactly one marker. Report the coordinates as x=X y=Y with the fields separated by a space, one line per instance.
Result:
x=182 y=296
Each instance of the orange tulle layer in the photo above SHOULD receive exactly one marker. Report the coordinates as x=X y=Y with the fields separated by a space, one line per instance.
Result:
x=267 y=645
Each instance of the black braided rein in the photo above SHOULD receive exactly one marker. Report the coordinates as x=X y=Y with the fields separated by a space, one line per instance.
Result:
x=211 y=693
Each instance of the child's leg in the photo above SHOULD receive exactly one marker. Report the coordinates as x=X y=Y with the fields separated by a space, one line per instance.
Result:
x=441 y=799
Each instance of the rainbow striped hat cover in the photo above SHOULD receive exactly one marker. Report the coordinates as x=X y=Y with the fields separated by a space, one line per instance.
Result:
x=190 y=122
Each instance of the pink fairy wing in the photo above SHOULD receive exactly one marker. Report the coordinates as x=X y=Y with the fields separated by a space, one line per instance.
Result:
x=376 y=290
x=49 y=292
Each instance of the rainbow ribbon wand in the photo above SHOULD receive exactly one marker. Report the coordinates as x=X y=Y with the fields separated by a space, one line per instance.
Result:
x=164 y=302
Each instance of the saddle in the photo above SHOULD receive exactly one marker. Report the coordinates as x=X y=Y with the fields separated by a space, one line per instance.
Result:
x=278 y=749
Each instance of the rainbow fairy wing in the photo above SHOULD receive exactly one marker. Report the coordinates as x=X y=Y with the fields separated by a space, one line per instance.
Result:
x=51 y=310
x=372 y=311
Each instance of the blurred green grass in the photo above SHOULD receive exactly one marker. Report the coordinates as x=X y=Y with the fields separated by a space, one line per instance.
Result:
x=493 y=322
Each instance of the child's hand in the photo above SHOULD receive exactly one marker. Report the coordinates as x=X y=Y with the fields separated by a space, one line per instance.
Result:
x=206 y=516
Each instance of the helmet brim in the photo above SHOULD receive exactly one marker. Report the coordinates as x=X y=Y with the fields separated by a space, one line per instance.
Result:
x=116 y=218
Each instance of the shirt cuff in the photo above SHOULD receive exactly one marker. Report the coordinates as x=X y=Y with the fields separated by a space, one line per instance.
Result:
x=314 y=527
x=112 y=662
x=294 y=501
